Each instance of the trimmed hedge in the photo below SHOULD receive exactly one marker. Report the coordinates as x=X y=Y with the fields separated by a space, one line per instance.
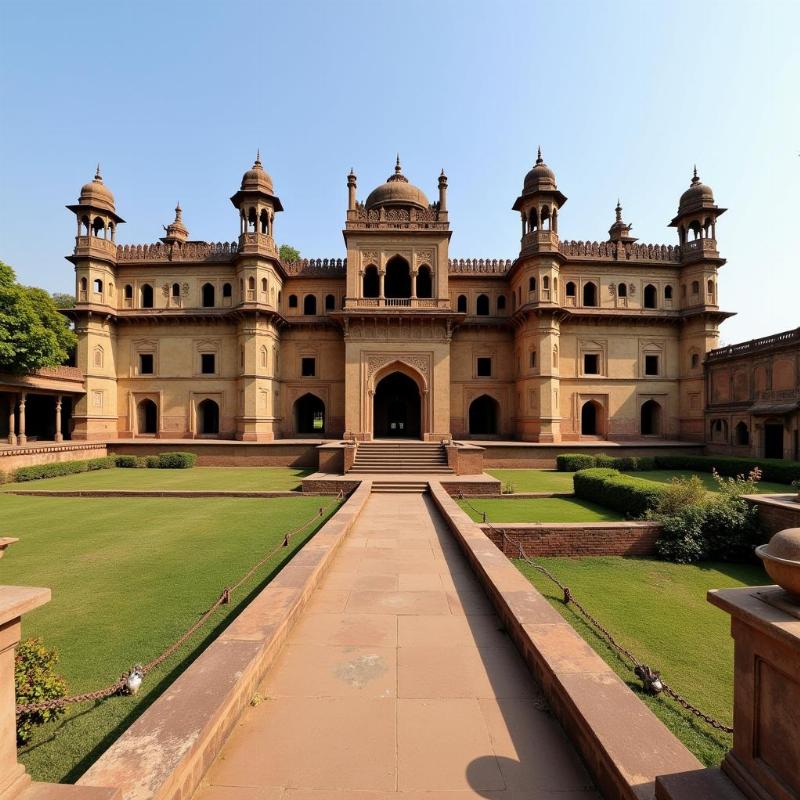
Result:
x=129 y=462
x=772 y=469
x=633 y=497
x=176 y=460
x=39 y=471
x=572 y=462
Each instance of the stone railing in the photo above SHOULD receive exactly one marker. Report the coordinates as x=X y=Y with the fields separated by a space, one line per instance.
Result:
x=316 y=267
x=614 y=251
x=755 y=345
x=488 y=266
x=360 y=217
x=397 y=302
x=84 y=244
x=189 y=251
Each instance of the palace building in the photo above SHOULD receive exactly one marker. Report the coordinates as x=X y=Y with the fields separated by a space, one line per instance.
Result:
x=569 y=341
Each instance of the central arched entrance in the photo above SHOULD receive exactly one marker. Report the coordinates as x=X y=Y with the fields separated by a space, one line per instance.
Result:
x=397 y=407
x=483 y=416
x=208 y=418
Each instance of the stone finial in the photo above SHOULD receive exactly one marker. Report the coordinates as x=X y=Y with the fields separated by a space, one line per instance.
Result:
x=618 y=211
x=397 y=168
x=539 y=159
x=97 y=176
x=258 y=157
x=619 y=231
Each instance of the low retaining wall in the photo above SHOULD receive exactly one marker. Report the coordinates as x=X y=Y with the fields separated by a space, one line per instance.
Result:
x=166 y=752
x=533 y=455
x=217 y=453
x=12 y=458
x=624 y=745
x=776 y=512
x=544 y=539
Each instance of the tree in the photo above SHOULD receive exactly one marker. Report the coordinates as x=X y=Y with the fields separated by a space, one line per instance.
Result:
x=33 y=334
x=63 y=300
x=289 y=253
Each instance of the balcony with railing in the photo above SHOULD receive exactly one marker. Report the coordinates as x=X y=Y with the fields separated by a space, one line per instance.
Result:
x=414 y=303
x=95 y=246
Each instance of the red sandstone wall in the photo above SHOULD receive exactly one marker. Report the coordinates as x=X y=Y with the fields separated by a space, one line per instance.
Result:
x=575 y=540
x=239 y=454
x=14 y=457
x=544 y=456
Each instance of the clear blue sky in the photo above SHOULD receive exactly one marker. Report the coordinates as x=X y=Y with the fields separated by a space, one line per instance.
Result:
x=624 y=97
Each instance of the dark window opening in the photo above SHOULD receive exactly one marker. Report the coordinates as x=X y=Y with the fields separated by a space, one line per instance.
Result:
x=461 y=306
x=484 y=367
x=207 y=363
x=569 y=289
x=310 y=305
x=208 y=295
x=147 y=296
x=651 y=365
x=589 y=294
x=397 y=281
x=308 y=367
x=292 y=301
x=482 y=305
x=501 y=303
x=372 y=283
x=146 y=363
x=330 y=302
x=484 y=412
x=424 y=282
x=591 y=364
x=226 y=290
x=650 y=296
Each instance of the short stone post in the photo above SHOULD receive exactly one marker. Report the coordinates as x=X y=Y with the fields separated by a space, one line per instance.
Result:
x=14 y=602
x=12 y=419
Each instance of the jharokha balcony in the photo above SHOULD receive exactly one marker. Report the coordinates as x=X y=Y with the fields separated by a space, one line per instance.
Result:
x=398 y=302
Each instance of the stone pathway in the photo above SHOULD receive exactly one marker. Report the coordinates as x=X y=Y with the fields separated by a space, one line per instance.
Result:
x=398 y=682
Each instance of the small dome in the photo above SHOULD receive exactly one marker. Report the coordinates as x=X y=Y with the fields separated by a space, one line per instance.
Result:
x=256 y=179
x=698 y=194
x=96 y=193
x=397 y=191
x=176 y=231
x=541 y=177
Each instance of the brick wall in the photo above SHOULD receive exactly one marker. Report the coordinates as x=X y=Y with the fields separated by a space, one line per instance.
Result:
x=776 y=513
x=214 y=453
x=12 y=458
x=543 y=456
x=575 y=540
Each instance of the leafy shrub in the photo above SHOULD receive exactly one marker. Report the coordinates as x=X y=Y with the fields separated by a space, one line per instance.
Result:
x=128 y=462
x=680 y=493
x=151 y=462
x=623 y=493
x=60 y=468
x=772 y=469
x=682 y=539
x=176 y=460
x=36 y=680
x=645 y=463
x=572 y=462
x=508 y=487
x=605 y=460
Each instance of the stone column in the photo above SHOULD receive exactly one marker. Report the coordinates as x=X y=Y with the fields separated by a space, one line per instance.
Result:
x=59 y=435
x=414 y=284
x=14 y=602
x=22 y=437
x=12 y=419
x=381 y=276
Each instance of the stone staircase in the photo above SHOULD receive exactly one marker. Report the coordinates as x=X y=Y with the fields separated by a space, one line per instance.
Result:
x=399 y=487
x=400 y=458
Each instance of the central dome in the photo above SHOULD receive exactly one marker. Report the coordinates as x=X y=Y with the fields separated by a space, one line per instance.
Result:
x=257 y=179
x=397 y=191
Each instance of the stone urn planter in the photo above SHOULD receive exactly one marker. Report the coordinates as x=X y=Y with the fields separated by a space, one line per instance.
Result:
x=781 y=557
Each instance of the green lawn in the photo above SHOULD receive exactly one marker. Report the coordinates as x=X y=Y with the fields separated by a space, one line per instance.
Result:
x=549 y=480
x=543 y=509
x=128 y=576
x=659 y=611
x=243 y=479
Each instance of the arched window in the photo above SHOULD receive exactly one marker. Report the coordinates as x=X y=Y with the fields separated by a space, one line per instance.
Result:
x=650 y=418
x=208 y=418
x=146 y=296
x=484 y=413
x=372 y=283
x=742 y=434
x=147 y=418
x=622 y=290
x=98 y=356
x=264 y=220
x=292 y=301
x=263 y=357
x=98 y=286
x=251 y=283
x=569 y=289
x=424 y=282
x=482 y=305
x=650 y=296
x=264 y=285
x=128 y=291
x=461 y=304
x=695 y=287
x=176 y=290
x=668 y=292
x=711 y=291
x=590 y=418
x=501 y=303
x=310 y=305
x=532 y=284
x=546 y=282
x=226 y=290
x=330 y=302
x=589 y=294
x=397 y=281
x=695 y=360
x=97 y=226
x=208 y=295
x=309 y=415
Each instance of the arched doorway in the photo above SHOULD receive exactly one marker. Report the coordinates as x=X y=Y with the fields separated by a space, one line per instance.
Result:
x=484 y=412
x=397 y=407
x=650 y=418
x=208 y=418
x=590 y=418
x=397 y=282
x=773 y=440
x=147 y=418
x=309 y=414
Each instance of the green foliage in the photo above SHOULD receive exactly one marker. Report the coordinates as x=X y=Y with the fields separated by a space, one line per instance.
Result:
x=36 y=680
x=288 y=253
x=605 y=460
x=537 y=509
x=151 y=462
x=508 y=487
x=772 y=469
x=33 y=334
x=39 y=471
x=682 y=539
x=62 y=300
x=623 y=493
x=128 y=462
x=176 y=460
x=572 y=462
x=680 y=493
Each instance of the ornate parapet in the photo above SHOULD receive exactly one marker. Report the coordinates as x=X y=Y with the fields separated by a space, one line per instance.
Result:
x=177 y=251
x=620 y=251
x=412 y=218
x=316 y=267
x=764 y=344
x=479 y=266
x=95 y=247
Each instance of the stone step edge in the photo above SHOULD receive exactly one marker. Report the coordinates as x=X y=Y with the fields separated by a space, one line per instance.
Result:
x=166 y=752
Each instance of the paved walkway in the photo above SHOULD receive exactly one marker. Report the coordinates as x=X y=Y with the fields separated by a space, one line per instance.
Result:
x=398 y=682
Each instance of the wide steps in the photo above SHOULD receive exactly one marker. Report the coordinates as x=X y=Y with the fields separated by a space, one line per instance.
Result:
x=399 y=487
x=400 y=458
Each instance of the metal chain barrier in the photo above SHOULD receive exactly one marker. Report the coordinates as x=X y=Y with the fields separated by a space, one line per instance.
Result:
x=130 y=681
x=652 y=682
